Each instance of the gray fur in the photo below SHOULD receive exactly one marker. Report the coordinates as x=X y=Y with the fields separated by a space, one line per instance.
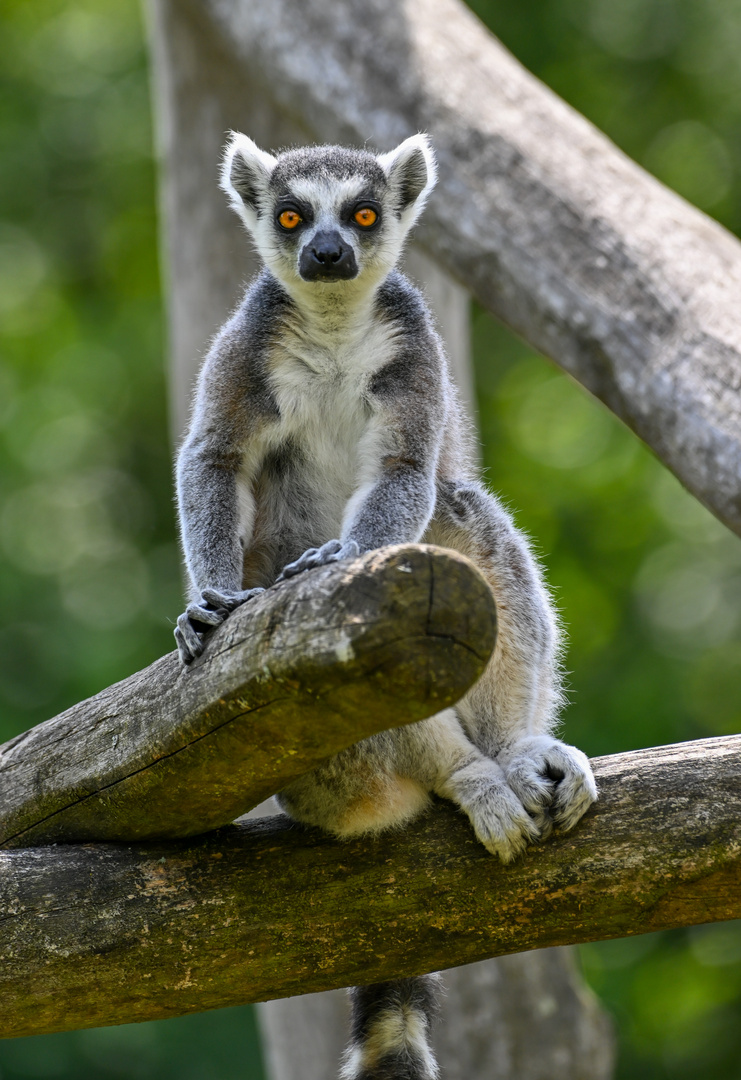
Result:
x=325 y=424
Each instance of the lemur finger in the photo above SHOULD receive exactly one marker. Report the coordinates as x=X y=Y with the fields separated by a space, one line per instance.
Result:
x=574 y=786
x=533 y=788
x=574 y=794
x=502 y=824
x=250 y=594
x=329 y=548
x=576 y=801
x=298 y=566
x=320 y=556
x=331 y=552
x=499 y=819
x=196 y=613
x=535 y=791
x=350 y=550
x=185 y=654
x=544 y=824
x=546 y=764
x=229 y=601
x=310 y=558
x=216 y=600
x=188 y=641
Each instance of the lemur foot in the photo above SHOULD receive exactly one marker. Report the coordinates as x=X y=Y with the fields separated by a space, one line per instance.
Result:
x=499 y=819
x=553 y=781
x=203 y=615
x=332 y=551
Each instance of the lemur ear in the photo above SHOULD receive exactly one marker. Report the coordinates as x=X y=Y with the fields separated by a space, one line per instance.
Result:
x=411 y=173
x=245 y=173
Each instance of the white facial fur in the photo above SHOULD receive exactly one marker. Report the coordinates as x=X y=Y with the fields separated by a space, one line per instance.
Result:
x=326 y=181
x=242 y=153
x=415 y=154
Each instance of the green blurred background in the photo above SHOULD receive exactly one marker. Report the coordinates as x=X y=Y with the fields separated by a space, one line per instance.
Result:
x=649 y=584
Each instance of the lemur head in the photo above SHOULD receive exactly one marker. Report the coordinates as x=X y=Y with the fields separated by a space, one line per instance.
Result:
x=323 y=216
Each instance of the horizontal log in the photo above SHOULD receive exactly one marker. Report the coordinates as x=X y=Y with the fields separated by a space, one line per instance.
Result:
x=308 y=668
x=106 y=934
x=596 y=264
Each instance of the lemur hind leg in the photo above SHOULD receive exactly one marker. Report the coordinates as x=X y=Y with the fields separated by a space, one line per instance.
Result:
x=386 y=780
x=512 y=710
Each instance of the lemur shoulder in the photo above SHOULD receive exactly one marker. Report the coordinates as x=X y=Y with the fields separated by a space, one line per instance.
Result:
x=325 y=424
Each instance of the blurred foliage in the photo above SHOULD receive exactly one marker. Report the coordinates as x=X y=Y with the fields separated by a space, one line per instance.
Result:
x=88 y=561
x=221 y=1045
x=649 y=584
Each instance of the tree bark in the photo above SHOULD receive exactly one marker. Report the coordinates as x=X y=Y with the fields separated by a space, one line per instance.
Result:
x=105 y=934
x=575 y=247
x=304 y=670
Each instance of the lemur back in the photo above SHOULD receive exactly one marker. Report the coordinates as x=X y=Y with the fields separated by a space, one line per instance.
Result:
x=325 y=424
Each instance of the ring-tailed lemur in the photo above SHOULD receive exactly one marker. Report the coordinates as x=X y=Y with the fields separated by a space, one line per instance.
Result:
x=325 y=424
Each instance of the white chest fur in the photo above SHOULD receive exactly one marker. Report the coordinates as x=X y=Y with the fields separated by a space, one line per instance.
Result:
x=320 y=377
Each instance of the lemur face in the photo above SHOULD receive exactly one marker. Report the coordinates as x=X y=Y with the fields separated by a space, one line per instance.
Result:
x=327 y=215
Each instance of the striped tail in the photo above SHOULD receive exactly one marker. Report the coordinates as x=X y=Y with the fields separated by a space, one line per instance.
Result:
x=391 y=1031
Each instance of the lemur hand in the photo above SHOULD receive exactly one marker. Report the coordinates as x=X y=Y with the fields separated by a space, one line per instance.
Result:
x=203 y=615
x=332 y=551
x=553 y=781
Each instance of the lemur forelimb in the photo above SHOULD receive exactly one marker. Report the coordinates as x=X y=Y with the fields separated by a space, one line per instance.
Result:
x=325 y=424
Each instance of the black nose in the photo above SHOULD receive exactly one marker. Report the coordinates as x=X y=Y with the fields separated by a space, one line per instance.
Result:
x=327 y=258
x=327 y=248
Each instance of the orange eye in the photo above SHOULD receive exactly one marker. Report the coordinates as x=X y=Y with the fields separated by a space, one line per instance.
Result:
x=365 y=217
x=289 y=219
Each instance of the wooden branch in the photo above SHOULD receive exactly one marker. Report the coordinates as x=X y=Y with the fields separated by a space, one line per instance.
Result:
x=105 y=934
x=591 y=260
x=308 y=668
